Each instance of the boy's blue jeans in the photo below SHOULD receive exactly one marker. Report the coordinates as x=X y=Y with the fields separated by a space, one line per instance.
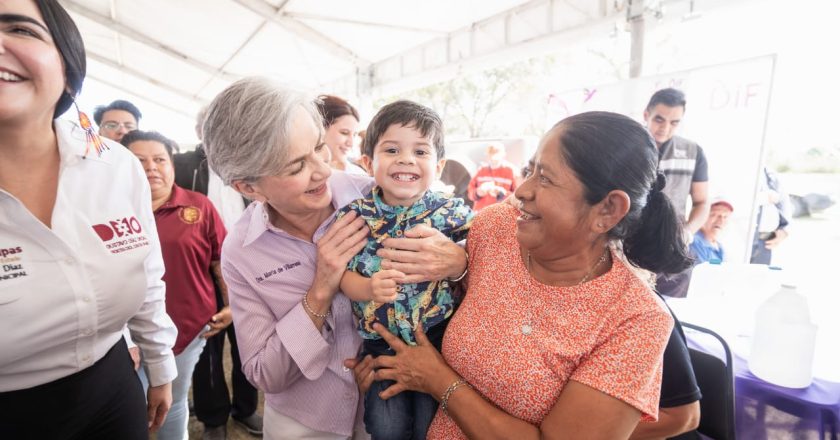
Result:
x=406 y=415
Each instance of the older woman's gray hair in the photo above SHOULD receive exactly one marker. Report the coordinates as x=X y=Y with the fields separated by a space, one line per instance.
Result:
x=248 y=126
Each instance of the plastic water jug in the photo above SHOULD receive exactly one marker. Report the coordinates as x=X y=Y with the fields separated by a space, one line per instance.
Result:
x=783 y=341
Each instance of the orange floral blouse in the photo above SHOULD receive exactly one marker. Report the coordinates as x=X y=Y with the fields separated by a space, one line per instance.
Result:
x=608 y=333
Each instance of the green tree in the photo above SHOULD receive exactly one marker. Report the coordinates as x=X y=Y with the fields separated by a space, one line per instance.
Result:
x=471 y=104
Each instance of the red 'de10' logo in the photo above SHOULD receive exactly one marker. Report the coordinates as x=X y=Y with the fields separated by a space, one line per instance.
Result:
x=118 y=228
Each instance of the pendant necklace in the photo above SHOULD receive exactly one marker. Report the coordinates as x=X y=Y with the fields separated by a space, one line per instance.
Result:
x=527 y=326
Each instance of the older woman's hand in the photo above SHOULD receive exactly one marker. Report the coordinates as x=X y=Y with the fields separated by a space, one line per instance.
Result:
x=425 y=254
x=362 y=371
x=419 y=368
x=344 y=239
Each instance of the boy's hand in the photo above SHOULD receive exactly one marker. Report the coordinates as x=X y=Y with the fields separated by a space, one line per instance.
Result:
x=384 y=285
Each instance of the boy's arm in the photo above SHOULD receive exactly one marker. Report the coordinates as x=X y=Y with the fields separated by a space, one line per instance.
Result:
x=356 y=286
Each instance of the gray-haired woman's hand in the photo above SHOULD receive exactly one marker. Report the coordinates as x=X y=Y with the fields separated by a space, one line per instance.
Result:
x=362 y=371
x=425 y=254
x=344 y=239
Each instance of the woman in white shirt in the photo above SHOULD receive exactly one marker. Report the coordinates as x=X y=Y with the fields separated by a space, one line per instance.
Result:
x=79 y=252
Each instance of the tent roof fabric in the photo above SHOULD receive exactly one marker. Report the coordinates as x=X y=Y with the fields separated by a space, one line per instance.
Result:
x=183 y=52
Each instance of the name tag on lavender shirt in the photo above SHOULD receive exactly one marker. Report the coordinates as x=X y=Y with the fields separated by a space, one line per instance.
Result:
x=277 y=270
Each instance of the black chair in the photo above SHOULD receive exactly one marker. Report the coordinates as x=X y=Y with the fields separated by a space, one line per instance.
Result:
x=717 y=383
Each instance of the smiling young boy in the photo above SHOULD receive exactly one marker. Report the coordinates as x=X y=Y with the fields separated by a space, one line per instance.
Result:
x=404 y=149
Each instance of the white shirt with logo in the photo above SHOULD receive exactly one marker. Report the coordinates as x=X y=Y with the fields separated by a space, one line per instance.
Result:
x=66 y=293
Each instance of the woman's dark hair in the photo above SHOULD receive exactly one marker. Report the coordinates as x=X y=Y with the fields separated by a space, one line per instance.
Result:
x=139 y=135
x=70 y=46
x=609 y=151
x=332 y=107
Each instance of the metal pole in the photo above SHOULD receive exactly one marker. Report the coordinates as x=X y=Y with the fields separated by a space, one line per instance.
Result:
x=637 y=45
x=636 y=20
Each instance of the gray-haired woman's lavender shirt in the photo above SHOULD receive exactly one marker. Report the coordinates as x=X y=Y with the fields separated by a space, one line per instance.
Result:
x=299 y=368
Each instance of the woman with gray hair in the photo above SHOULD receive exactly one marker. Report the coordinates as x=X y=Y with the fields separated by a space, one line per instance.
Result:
x=284 y=258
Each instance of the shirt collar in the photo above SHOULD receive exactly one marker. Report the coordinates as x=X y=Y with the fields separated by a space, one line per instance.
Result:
x=72 y=143
x=260 y=223
x=431 y=200
x=257 y=224
x=177 y=199
x=665 y=146
x=700 y=236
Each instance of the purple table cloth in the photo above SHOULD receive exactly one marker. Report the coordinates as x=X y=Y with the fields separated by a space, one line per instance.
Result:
x=767 y=411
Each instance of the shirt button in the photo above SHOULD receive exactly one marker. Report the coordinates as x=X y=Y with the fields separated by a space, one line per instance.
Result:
x=87 y=332
x=348 y=395
x=345 y=369
x=86 y=358
x=86 y=299
x=70 y=261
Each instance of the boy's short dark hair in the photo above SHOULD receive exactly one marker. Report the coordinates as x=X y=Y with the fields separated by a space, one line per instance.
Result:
x=408 y=114
x=139 y=135
x=670 y=97
x=119 y=104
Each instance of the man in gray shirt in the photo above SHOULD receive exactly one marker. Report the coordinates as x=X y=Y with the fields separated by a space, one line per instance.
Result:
x=681 y=160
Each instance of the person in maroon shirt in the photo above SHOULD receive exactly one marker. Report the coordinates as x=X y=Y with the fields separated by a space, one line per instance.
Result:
x=191 y=235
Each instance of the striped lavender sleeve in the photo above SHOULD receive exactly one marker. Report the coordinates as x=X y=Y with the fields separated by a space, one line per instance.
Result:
x=266 y=361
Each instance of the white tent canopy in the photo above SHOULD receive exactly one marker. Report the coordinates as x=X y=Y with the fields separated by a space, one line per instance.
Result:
x=171 y=57
x=180 y=53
